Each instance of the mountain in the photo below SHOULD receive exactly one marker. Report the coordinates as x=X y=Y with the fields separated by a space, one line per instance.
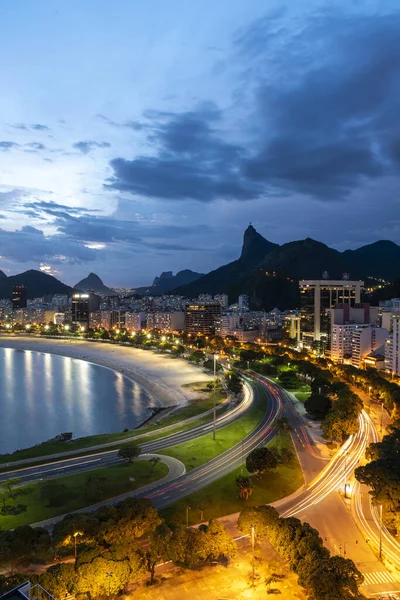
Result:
x=306 y=259
x=37 y=283
x=167 y=281
x=254 y=250
x=269 y=273
x=2 y=275
x=380 y=259
x=93 y=283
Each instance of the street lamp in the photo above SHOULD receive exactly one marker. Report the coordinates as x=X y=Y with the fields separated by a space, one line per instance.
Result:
x=380 y=531
x=187 y=514
x=75 y=549
x=216 y=357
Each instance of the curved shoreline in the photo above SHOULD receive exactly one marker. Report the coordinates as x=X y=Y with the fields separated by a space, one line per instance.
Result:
x=161 y=376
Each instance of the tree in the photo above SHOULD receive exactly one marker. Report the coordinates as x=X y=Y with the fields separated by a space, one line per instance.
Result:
x=289 y=379
x=22 y=544
x=332 y=578
x=154 y=462
x=63 y=531
x=159 y=549
x=102 y=577
x=234 y=382
x=60 y=580
x=318 y=406
x=53 y=493
x=282 y=424
x=262 y=518
x=129 y=519
x=260 y=460
x=129 y=452
x=209 y=366
x=188 y=547
x=197 y=356
x=245 y=487
x=10 y=485
x=218 y=541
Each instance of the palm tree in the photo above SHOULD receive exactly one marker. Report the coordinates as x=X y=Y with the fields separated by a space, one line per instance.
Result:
x=281 y=425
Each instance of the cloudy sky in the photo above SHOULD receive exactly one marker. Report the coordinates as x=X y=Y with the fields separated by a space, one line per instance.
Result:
x=137 y=137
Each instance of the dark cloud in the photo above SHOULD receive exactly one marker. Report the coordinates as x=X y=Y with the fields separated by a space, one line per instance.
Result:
x=7 y=146
x=193 y=161
x=29 y=244
x=86 y=146
x=324 y=117
x=21 y=126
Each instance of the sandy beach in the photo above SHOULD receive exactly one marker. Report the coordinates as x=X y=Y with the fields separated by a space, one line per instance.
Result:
x=159 y=374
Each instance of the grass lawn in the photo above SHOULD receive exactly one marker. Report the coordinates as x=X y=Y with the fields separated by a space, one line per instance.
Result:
x=302 y=396
x=221 y=497
x=77 y=494
x=195 y=407
x=204 y=448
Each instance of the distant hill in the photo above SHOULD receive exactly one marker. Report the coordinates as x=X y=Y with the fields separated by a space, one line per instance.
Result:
x=2 y=275
x=37 y=283
x=254 y=250
x=167 y=281
x=269 y=273
x=380 y=259
x=93 y=283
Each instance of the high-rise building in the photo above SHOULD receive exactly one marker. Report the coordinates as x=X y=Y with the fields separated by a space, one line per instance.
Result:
x=222 y=299
x=19 y=296
x=392 y=354
x=319 y=295
x=82 y=306
x=202 y=317
x=243 y=302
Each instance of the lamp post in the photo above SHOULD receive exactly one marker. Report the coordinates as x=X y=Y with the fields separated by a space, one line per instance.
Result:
x=380 y=531
x=187 y=514
x=75 y=549
x=381 y=422
x=215 y=410
x=253 y=537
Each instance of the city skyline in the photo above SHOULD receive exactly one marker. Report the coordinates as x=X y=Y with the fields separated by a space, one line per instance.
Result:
x=134 y=141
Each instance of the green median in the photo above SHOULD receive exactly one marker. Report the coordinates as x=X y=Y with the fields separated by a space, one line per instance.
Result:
x=222 y=498
x=203 y=449
x=44 y=500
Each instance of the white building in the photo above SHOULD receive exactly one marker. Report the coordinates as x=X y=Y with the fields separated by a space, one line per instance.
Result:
x=222 y=299
x=341 y=337
x=366 y=339
x=243 y=302
x=392 y=358
x=134 y=321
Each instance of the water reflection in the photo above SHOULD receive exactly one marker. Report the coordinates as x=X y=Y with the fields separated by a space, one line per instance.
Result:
x=42 y=395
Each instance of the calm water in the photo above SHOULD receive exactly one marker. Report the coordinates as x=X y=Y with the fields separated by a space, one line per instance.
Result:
x=42 y=395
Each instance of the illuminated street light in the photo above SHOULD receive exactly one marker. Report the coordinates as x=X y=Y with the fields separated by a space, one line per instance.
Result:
x=163 y=339
x=82 y=328
x=133 y=333
x=148 y=336
x=8 y=325
x=27 y=326
x=117 y=331
x=216 y=357
x=75 y=536
x=47 y=327
x=66 y=327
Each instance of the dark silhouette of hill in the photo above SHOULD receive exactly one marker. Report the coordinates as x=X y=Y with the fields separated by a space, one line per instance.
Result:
x=167 y=281
x=37 y=283
x=93 y=283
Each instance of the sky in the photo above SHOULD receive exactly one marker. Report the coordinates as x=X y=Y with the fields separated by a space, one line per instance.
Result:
x=140 y=137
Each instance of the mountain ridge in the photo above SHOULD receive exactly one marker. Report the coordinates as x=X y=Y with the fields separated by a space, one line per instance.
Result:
x=93 y=283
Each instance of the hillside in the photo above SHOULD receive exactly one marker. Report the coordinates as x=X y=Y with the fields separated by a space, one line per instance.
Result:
x=255 y=248
x=380 y=259
x=37 y=283
x=93 y=283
